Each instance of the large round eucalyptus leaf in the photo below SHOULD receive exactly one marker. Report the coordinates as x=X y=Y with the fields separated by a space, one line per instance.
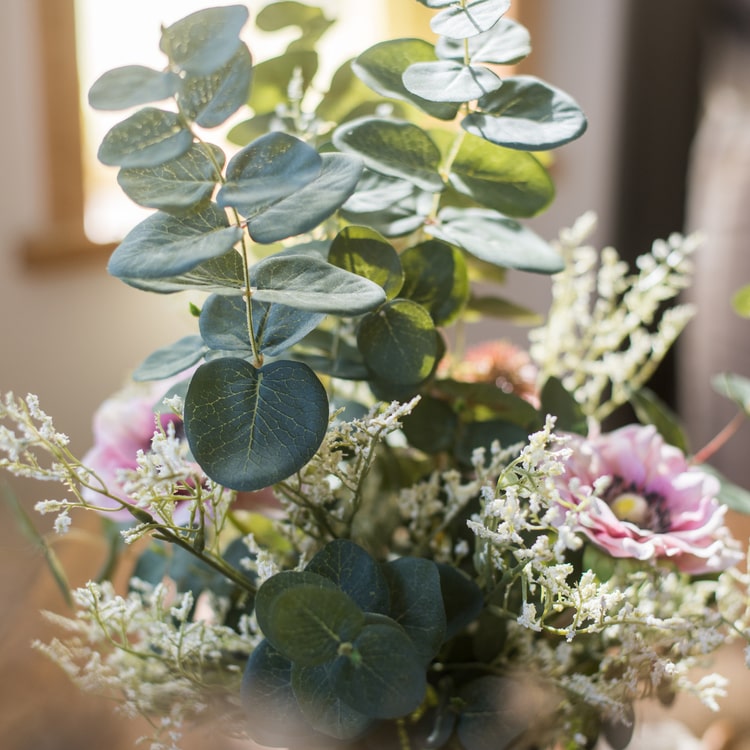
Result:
x=383 y=676
x=436 y=276
x=130 y=86
x=506 y=43
x=462 y=20
x=164 y=245
x=267 y=170
x=393 y=147
x=209 y=100
x=367 y=253
x=307 y=283
x=355 y=572
x=510 y=181
x=205 y=40
x=145 y=139
x=271 y=79
x=307 y=207
x=496 y=239
x=178 y=184
x=250 y=428
x=171 y=359
x=308 y=624
x=382 y=66
x=398 y=342
x=527 y=113
x=449 y=81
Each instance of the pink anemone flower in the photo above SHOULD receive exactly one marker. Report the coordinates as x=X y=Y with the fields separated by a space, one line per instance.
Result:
x=654 y=505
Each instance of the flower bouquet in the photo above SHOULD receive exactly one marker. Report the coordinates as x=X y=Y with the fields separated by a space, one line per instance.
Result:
x=351 y=532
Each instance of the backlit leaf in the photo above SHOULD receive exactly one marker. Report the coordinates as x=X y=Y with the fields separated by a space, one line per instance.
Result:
x=271 y=79
x=130 y=86
x=469 y=19
x=449 y=81
x=506 y=43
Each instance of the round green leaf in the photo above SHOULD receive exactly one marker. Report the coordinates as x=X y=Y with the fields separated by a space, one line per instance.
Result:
x=308 y=207
x=279 y=327
x=271 y=79
x=223 y=324
x=398 y=342
x=382 y=66
x=395 y=148
x=435 y=276
x=146 y=139
x=164 y=245
x=130 y=86
x=741 y=301
x=650 y=409
x=249 y=428
x=462 y=598
x=383 y=676
x=432 y=426
x=367 y=253
x=463 y=20
x=171 y=360
x=309 y=624
x=307 y=283
x=449 y=81
x=285 y=13
x=506 y=43
x=528 y=114
x=211 y=99
x=178 y=184
x=734 y=387
x=496 y=239
x=205 y=40
x=568 y=413
x=268 y=170
x=510 y=181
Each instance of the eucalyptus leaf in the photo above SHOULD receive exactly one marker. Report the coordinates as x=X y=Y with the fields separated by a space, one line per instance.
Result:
x=145 y=139
x=382 y=66
x=130 y=86
x=206 y=40
x=393 y=147
x=209 y=100
x=527 y=113
x=279 y=327
x=162 y=245
x=506 y=43
x=178 y=184
x=470 y=18
x=306 y=283
x=398 y=342
x=249 y=130
x=306 y=208
x=171 y=359
x=280 y=15
x=556 y=400
x=732 y=495
x=734 y=387
x=367 y=253
x=432 y=426
x=450 y=81
x=462 y=598
x=250 y=428
x=223 y=324
x=497 y=307
x=650 y=409
x=496 y=239
x=271 y=79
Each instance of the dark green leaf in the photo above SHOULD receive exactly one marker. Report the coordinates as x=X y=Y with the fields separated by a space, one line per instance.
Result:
x=449 y=81
x=382 y=66
x=734 y=387
x=512 y=182
x=383 y=676
x=367 y=253
x=462 y=598
x=307 y=283
x=469 y=19
x=177 y=184
x=436 y=277
x=146 y=139
x=250 y=428
x=355 y=572
x=205 y=40
x=395 y=148
x=432 y=426
x=527 y=113
x=209 y=100
x=506 y=43
x=223 y=324
x=315 y=202
x=398 y=342
x=271 y=79
x=164 y=245
x=131 y=86
x=278 y=327
x=484 y=434
x=650 y=409
x=509 y=406
x=558 y=402
x=497 y=307
x=496 y=239
x=417 y=603
x=171 y=360
x=269 y=169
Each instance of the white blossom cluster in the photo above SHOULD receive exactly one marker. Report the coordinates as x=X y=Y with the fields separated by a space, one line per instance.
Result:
x=606 y=333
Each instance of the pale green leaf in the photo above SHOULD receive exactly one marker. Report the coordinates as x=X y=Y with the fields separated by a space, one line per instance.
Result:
x=449 y=81
x=130 y=86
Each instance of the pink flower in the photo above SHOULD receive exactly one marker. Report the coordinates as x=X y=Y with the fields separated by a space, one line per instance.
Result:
x=655 y=505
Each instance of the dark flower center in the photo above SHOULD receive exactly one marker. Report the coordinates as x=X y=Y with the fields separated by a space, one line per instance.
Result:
x=628 y=502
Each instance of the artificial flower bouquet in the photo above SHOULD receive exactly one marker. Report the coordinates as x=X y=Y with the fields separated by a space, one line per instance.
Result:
x=349 y=532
